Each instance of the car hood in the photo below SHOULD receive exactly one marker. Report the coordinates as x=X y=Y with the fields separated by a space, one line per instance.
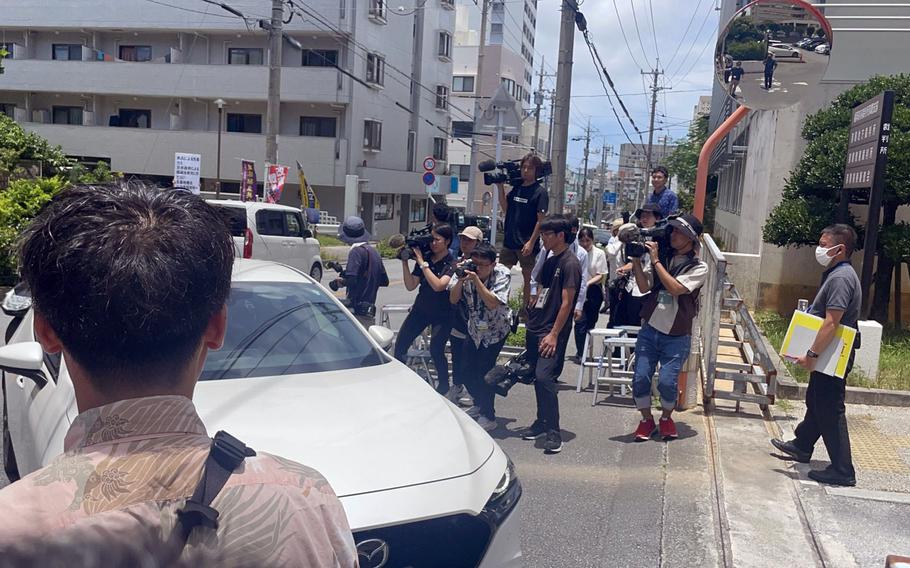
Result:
x=368 y=429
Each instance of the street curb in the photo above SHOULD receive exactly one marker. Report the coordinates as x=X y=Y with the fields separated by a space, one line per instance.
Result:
x=788 y=388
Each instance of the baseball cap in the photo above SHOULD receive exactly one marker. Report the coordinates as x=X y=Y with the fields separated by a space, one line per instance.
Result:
x=652 y=207
x=472 y=232
x=688 y=225
x=617 y=223
x=353 y=231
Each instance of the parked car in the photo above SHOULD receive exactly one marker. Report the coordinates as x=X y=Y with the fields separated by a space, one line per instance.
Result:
x=803 y=42
x=299 y=377
x=813 y=44
x=783 y=50
x=824 y=49
x=267 y=231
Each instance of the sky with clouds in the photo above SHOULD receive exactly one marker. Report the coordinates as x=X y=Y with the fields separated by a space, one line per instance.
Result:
x=681 y=32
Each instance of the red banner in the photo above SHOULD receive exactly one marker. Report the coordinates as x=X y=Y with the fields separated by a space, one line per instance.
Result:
x=275 y=180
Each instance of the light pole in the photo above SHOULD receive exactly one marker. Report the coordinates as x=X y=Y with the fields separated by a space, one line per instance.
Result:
x=220 y=104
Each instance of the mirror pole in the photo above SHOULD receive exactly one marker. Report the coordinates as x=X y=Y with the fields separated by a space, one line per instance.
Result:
x=704 y=159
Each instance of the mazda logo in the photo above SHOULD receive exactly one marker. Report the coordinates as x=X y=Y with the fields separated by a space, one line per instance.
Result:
x=373 y=553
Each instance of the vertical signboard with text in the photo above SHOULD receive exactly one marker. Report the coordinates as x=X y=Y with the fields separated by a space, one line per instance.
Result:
x=186 y=171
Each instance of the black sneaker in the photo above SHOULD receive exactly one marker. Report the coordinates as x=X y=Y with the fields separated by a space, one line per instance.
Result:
x=536 y=430
x=553 y=445
x=792 y=451
x=831 y=476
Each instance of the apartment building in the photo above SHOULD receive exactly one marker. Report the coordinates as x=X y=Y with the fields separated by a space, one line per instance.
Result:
x=633 y=180
x=135 y=81
x=752 y=162
x=509 y=59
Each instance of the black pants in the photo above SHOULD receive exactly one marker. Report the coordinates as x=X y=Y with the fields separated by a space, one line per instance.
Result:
x=589 y=314
x=457 y=344
x=412 y=327
x=628 y=310
x=477 y=363
x=768 y=77
x=546 y=371
x=826 y=418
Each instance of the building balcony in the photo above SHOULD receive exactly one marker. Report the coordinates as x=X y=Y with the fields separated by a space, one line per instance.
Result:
x=148 y=151
x=240 y=82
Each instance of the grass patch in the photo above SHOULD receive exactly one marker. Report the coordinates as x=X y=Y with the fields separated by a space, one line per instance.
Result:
x=329 y=241
x=894 y=363
x=518 y=338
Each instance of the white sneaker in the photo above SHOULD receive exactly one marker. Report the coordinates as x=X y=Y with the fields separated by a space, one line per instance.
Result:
x=486 y=423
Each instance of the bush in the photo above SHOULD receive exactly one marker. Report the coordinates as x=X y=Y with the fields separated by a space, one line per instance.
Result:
x=518 y=338
x=19 y=203
x=385 y=251
x=746 y=50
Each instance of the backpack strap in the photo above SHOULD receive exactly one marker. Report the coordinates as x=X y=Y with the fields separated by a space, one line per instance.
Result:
x=225 y=456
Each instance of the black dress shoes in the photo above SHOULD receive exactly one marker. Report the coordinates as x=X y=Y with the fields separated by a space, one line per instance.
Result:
x=832 y=477
x=791 y=450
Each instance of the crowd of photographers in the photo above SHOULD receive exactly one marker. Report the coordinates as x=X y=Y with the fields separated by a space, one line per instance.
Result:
x=647 y=276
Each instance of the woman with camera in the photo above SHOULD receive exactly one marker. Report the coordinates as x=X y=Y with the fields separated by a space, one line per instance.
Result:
x=596 y=269
x=431 y=307
x=481 y=289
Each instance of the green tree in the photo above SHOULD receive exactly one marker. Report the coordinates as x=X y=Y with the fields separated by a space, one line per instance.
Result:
x=19 y=203
x=683 y=164
x=812 y=190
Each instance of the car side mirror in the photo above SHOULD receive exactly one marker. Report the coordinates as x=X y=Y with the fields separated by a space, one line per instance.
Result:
x=382 y=335
x=307 y=234
x=24 y=359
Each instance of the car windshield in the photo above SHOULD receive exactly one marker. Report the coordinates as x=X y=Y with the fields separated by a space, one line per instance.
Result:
x=285 y=328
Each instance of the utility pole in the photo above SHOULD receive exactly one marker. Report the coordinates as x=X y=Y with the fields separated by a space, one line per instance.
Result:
x=538 y=99
x=474 y=178
x=274 y=101
x=562 y=100
x=655 y=73
x=584 y=174
x=598 y=204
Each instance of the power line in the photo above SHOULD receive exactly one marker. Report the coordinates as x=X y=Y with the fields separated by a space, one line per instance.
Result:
x=188 y=9
x=685 y=33
x=694 y=42
x=695 y=61
x=637 y=31
x=624 y=38
x=653 y=31
x=643 y=93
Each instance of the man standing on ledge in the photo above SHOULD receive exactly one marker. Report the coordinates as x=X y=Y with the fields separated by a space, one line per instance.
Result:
x=838 y=302
x=662 y=196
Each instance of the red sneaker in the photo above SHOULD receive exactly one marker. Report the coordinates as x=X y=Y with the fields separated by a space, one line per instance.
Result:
x=668 y=429
x=644 y=430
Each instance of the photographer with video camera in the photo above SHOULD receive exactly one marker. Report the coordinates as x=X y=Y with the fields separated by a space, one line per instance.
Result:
x=469 y=239
x=480 y=288
x=524 y=207
x=431 y=307
x=630 y=295
x=668 y=313
x=549 y=327
x=364 y=273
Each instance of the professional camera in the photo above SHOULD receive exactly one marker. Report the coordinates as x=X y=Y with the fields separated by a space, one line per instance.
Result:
x=418 y=238
x=510 y=172
x=635 y=239
x=503 y=377
x=334 y=284
x=463 y=268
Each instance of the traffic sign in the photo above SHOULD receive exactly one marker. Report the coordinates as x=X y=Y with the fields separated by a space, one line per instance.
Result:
x=429 y=164
x=429 y=178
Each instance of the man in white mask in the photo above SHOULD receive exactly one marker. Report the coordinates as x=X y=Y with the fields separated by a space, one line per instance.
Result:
x=838 y=303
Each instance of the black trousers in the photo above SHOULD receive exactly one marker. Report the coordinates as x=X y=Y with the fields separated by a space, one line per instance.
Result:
x=546 y=371
x=768 y=77
x=457 y=344
x=826 y=418
x=477 y=363
x=412 y=327
x=589 y=314
x=628 y=310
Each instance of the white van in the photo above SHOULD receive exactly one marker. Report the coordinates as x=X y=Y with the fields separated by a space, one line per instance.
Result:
x=267 y=231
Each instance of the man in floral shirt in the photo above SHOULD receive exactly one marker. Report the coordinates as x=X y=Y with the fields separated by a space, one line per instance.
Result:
x=484 y=296
x=130 y=283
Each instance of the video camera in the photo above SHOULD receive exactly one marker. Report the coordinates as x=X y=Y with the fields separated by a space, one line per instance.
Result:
x=635 y=239
x=418 y=238
x=510 y=172
x=336 y=266
x=359 y=308
x=462 y=269
x=503 y=377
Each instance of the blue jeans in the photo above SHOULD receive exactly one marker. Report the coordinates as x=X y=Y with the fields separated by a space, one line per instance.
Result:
x=671 y=352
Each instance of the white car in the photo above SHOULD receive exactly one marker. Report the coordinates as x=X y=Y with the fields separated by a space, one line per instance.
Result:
x=299 y=377
x=268 y=231
x=783 y=50
x=824 y=49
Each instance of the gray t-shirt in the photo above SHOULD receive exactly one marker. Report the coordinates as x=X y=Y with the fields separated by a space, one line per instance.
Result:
x=840 y=290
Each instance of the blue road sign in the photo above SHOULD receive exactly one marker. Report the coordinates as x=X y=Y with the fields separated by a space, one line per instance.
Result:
x=429 y=178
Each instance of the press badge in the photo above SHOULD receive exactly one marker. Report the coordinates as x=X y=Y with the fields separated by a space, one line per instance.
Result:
x=482 y=326
x=664 y=298
x=542 y=298
x=517 y=199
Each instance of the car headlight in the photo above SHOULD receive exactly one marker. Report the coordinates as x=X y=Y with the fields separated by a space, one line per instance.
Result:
x=504 y=498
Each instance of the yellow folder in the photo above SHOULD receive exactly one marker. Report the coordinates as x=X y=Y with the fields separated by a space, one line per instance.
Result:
x=801 y=334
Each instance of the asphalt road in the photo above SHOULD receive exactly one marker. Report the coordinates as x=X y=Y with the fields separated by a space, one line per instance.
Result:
x=792 y=79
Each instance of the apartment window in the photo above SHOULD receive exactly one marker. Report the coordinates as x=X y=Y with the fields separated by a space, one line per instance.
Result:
x=447 y=4
x=320 y=58
x=377 y=10
x=510 y=85
x=372 y=135
x=67 y=115
x=136 y=52
x=245 y=56
x=248 y=123
x=445 y=45
x=442 y=97
x=463 y=171
x=134 y=118
x=418 y=211
x=375 y=69
x=383 y=206
x=322 y=126
x=439 y=148
x=463 y=84
x=496 y=34
x=67 y=51
x=462 y=128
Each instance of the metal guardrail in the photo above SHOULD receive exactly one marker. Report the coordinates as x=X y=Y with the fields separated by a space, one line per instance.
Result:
x=723 y=308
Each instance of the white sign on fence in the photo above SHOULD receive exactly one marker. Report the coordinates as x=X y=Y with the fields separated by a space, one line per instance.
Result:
x=186 y=171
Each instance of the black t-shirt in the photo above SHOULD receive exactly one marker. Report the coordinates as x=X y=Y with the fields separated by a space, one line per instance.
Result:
x=429 y=301
x=558 y=273
x=525 y=202
x=365 y=263
x=737 y=73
